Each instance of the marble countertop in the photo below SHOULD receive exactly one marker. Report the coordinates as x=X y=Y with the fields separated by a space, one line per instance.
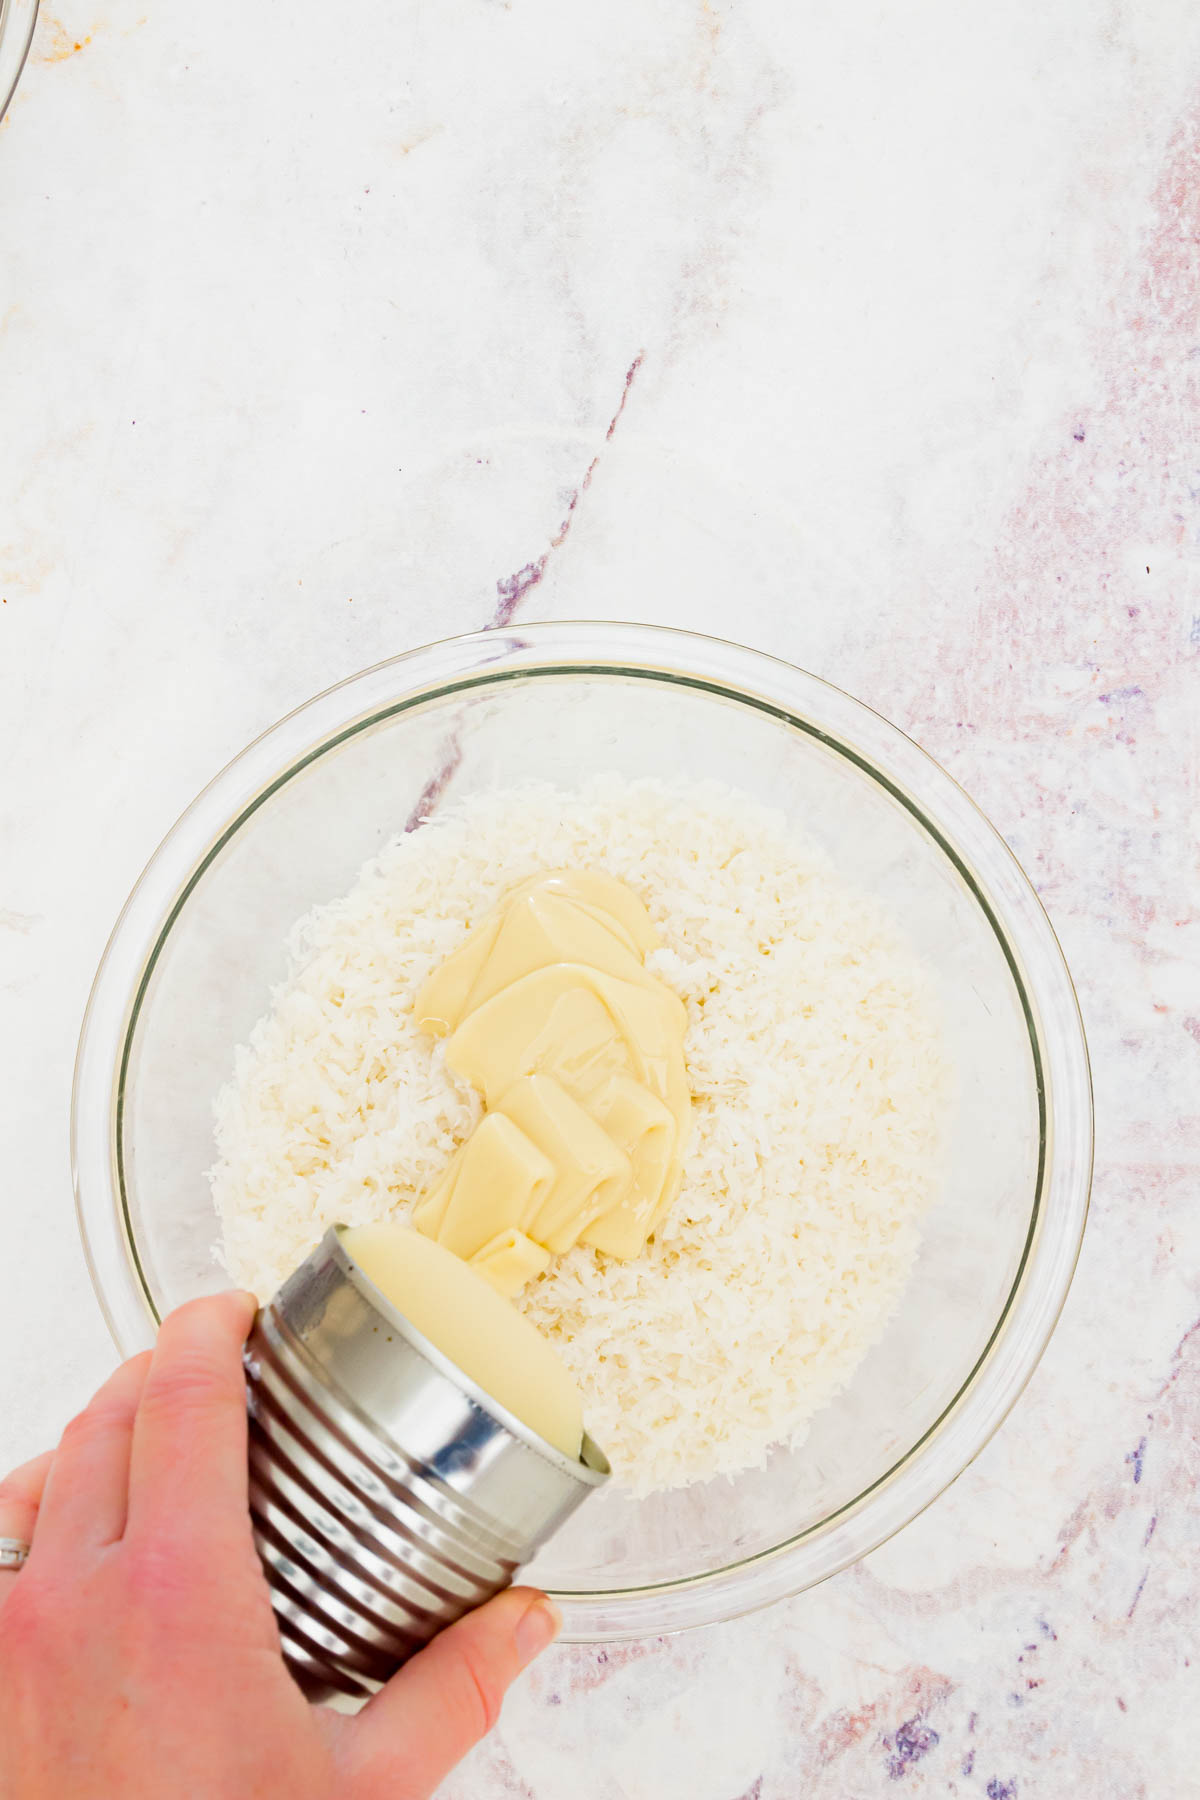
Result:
x=874 y=333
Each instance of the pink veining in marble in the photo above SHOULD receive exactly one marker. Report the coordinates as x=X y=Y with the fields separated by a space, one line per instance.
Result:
x=1064 y=695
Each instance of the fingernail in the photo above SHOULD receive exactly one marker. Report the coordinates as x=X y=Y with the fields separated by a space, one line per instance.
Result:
x=538 y=1626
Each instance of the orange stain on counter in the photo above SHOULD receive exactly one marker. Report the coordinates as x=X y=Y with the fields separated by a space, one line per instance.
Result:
x=62 y=43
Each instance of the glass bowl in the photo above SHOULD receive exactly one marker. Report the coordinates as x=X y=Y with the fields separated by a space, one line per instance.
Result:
x=17 y=20
x=200 y=944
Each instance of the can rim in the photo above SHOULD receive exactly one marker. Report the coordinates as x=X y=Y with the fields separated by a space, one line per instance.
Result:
x=591 y=1468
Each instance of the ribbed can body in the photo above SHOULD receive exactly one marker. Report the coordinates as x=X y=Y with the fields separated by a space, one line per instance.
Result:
x=388 y=1494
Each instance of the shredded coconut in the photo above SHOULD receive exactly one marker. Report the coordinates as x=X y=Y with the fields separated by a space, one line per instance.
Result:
x=819 y=1085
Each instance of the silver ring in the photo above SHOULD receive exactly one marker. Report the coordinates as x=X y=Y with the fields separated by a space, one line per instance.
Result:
x=13 y=1553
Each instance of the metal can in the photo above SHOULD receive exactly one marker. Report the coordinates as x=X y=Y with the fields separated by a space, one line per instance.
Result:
x=389 y=1495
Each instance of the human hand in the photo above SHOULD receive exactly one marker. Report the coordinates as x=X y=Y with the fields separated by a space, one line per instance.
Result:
x=138 y=1651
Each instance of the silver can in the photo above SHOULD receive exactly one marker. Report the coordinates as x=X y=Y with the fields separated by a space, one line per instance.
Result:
x=388 y=1494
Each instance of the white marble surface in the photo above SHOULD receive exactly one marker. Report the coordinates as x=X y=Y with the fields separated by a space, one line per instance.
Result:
x=309 y=323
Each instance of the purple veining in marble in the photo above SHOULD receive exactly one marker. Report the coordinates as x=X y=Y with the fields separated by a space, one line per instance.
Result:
x=1137 y=1594
x=437 y=784
x=511 y=591
x=912 y=1741
x=1135 y=1458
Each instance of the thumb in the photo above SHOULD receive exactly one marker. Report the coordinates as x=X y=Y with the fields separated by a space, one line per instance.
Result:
x=409 y=1737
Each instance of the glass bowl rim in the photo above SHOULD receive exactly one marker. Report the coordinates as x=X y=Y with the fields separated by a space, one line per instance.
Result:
x=15 y=45
x=802 y=701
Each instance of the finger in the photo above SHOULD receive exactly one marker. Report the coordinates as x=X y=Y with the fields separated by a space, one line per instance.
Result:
x=408 y=1738
x=20 y=1497
x=83 y=1505
x=188 y=1476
